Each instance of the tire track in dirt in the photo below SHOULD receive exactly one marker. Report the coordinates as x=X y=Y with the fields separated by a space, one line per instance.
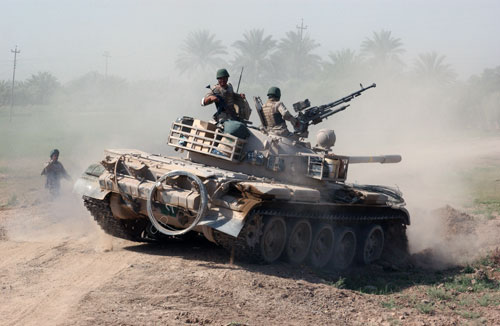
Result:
x=51 y=278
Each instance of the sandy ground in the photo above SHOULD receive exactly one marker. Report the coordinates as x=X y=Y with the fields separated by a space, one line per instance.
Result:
x=60 y=269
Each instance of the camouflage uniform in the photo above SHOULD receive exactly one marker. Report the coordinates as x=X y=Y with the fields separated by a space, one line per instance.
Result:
x=229 y=97
x=275 y=114
x=54 y=171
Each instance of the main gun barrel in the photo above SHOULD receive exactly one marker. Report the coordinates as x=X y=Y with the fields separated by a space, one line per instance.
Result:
x=375 y=159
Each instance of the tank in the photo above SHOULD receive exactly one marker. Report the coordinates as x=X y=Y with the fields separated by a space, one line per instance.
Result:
x=260 y=196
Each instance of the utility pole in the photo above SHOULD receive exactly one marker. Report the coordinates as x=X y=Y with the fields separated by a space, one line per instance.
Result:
x=107 y=56
x=301 y=28
x=16 y=51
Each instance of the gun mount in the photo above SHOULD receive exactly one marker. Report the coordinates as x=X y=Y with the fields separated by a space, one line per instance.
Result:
x=313 y=115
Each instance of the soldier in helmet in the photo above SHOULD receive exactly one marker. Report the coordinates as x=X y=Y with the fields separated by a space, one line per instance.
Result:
x=275 y=114
x=223 y=95
x=54 y=171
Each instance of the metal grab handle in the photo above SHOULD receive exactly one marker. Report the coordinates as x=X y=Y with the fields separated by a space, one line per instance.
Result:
x=201 y=210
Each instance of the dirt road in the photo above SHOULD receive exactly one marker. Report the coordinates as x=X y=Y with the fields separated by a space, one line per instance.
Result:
x=62 y=270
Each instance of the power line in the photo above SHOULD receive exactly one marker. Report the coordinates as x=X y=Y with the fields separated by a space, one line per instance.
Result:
x=16 y=51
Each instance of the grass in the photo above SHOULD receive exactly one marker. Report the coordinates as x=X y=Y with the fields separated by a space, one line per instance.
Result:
x=12 y=200
x=439 y=294
x=490 y=260
x=484 y=183
x=425 y=308
x=468 y=269
x=394 y=322
x=469 y=314
x=339 y=284
x=390 y=304
x=464 y=283
x=488 y=300
x=466 y=302
x=489 y=208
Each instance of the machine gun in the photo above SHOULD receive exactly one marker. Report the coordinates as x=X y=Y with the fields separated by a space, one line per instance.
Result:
x=313 y=115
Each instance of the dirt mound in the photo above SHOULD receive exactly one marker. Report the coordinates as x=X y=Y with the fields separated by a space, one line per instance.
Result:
x=456 y=222
x=458 y=239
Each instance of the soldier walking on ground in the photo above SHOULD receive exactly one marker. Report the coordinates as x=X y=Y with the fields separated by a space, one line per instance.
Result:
x=54 y=171
x=275 y=113
x=224 y=97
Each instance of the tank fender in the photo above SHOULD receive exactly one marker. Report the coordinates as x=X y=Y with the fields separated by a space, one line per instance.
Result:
x=88 y=185
x=229 y=214
x=224 y=220
x=407 y=215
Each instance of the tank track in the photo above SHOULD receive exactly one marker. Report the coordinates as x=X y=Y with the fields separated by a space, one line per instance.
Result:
x=392 y=221
x=125 y=229
x=242 y=249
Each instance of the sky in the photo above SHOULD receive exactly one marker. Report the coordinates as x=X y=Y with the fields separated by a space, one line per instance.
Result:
x=143 y=38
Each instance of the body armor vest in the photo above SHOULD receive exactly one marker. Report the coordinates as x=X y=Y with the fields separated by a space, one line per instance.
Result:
x=272 y=115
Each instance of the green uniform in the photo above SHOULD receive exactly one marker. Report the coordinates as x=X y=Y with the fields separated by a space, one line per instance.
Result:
x=229 y=97
x=54 y=172
x=275 y=114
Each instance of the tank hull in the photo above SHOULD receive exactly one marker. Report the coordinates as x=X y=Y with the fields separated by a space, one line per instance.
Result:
x=297 y=217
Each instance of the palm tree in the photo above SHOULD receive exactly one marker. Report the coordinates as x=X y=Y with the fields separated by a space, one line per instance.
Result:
x=200 y=52
x=431 y=67
x=254 y=53
x=482 y=98
x=489 y=81
x=383 y=49
x=294 y=57
x=342 y=63
x=42 y=86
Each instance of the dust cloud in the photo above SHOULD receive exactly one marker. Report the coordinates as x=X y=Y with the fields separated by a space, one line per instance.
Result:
x=441 y=128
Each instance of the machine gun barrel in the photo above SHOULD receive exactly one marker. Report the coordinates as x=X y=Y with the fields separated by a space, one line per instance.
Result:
x=313 y=115
x=347 y=98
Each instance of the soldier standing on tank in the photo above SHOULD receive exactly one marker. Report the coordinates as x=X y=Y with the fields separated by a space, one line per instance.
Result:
x=224 y=96
x=54 y=171
x=275 y=113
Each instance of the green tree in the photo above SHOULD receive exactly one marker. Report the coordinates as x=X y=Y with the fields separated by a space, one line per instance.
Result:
x=294 y=58
x=41 y=87
x=430 y=67
x=4 y=92
x=254 y=53
x=201 y=52
x=481 y=99
x=93 y=87
x=383 y=50
x=342 y=63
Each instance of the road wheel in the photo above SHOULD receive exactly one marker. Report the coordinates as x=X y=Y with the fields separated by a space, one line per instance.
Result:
x=344 y=249
x=299 y=242
x=371 y=244
x=322 y=246
x=273 y=240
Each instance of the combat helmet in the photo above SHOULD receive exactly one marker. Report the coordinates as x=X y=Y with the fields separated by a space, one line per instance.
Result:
x=222 y=73
x=54 y=152
x=274 y=92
